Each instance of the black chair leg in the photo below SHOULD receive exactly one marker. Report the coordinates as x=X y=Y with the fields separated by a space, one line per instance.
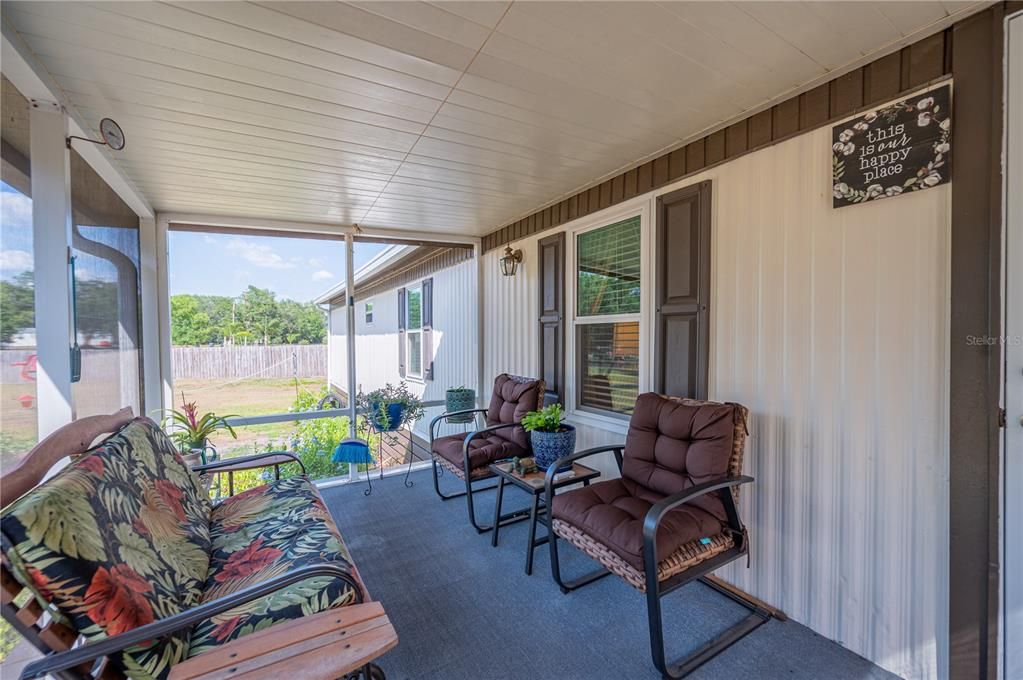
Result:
x=705 y=652
x=472 y=509
x=436 y=485
x=569 y=586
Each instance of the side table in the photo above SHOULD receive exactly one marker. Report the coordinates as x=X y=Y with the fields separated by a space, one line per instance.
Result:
x=533 y=484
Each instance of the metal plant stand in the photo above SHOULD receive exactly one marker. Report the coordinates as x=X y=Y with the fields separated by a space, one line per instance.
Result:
x=394 y=438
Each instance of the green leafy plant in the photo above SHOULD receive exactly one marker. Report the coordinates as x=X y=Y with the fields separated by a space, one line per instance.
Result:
x=383 y=397
x=547 y=419
x=189 y=430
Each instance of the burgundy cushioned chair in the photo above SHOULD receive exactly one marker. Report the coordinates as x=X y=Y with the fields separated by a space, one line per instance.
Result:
x=468 y=455
x=670 y=518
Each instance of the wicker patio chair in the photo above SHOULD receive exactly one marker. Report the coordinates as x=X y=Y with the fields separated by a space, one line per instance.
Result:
x=670 y=518
x=468 y=455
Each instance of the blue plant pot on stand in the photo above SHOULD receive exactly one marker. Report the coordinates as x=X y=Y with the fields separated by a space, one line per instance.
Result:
x=548 y=447
x=395 y=412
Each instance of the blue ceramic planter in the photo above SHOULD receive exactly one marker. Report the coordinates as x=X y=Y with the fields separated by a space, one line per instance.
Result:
x=394 y=415
x=549 y=446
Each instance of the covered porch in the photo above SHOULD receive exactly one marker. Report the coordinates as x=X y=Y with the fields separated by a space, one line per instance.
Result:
x=604 y=200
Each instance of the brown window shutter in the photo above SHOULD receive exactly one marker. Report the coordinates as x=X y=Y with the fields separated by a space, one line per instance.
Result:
x=682 y=321
x=552 y=316
x=428 y=329
x=401 y=332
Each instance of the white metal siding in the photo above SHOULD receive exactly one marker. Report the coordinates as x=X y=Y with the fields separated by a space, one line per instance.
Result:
x=832 y=326
x=376 y=344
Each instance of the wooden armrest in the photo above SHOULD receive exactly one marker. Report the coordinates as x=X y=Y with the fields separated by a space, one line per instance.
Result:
x=323 y=646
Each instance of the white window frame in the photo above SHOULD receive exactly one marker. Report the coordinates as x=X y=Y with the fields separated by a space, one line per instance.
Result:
x=585 y=415
x=418 y=377
x=368 y=313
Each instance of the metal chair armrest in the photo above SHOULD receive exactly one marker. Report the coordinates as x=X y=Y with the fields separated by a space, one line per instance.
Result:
x=548 y=481
x=448 y=414
x=55 y=663
x=254 y=458
x=472 y=435
x=658 y=510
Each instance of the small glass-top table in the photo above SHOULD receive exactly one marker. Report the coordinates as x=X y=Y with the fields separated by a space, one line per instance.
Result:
x=533 y=484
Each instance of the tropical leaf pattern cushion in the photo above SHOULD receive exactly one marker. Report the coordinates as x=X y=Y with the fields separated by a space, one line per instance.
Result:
x=116 y=540
x=262 y=533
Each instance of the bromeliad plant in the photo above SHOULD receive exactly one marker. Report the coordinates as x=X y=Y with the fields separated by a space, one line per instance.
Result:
x=545 y=420
x=190 y=431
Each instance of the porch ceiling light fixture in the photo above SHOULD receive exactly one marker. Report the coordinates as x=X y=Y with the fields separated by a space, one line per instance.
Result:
x=510 y=261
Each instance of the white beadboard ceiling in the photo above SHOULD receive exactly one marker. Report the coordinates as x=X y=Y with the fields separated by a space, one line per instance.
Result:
x=451 y=117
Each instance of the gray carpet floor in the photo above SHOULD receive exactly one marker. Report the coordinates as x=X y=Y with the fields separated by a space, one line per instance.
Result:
x=466 y=611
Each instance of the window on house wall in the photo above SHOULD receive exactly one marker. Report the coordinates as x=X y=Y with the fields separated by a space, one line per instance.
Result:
x=414 y=331
x=369 y=312
x=607 y=317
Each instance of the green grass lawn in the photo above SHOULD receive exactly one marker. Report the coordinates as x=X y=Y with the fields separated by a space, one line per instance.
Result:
x=257 y=397
x=17 y=423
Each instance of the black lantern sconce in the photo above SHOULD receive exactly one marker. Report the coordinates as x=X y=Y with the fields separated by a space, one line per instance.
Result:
x=510 y=261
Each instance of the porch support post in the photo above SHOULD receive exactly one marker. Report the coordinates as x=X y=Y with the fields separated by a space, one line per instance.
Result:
x=161 y=342
x=51 y=234
x=350 y=340
x=482 y=398
x=974 y=380
x=152 y=343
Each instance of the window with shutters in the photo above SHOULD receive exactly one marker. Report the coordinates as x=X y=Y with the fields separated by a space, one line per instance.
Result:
x=608 y=310
x=414 y=332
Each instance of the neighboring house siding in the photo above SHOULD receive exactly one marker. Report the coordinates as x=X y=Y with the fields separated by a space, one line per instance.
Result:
x=832 y=326
x=455 y=343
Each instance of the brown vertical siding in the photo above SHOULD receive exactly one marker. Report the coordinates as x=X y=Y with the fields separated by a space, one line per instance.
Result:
x=813 y=107
x=676 y=164
x=881 y=80
x=847 y=93
x=760 y=133
x=736 y=140
x=715 y=147
x=695 y=154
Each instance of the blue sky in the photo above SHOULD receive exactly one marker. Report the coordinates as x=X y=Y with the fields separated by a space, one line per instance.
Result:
x=15 y=232
x=226 y=264
x=208 y=264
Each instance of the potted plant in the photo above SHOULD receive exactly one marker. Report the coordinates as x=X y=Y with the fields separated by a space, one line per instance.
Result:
x=191 y=432
x=460 y=398
x=391 y=406
x=551 y=438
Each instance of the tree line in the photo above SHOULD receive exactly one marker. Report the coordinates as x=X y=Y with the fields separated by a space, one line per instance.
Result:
x=96 y=309
x=254 y=317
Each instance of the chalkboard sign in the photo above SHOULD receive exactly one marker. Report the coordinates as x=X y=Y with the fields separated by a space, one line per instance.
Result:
x=897 y=149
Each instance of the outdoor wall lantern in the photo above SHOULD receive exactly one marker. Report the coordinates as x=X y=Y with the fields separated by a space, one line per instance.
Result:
x=510 y=261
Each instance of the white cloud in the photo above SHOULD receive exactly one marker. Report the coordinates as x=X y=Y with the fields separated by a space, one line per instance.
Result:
x=15 y=210
x=322 y=275
x=13 y=261
x=259 y=255
x=316 y=262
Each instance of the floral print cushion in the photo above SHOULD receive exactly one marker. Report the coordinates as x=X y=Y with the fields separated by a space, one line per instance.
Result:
x=262 y=533
x=116 y=540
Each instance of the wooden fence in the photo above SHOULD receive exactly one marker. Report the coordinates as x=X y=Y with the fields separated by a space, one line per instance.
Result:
x=238 y=362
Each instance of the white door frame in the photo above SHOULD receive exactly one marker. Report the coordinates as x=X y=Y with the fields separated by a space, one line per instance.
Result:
x=1011 y=614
